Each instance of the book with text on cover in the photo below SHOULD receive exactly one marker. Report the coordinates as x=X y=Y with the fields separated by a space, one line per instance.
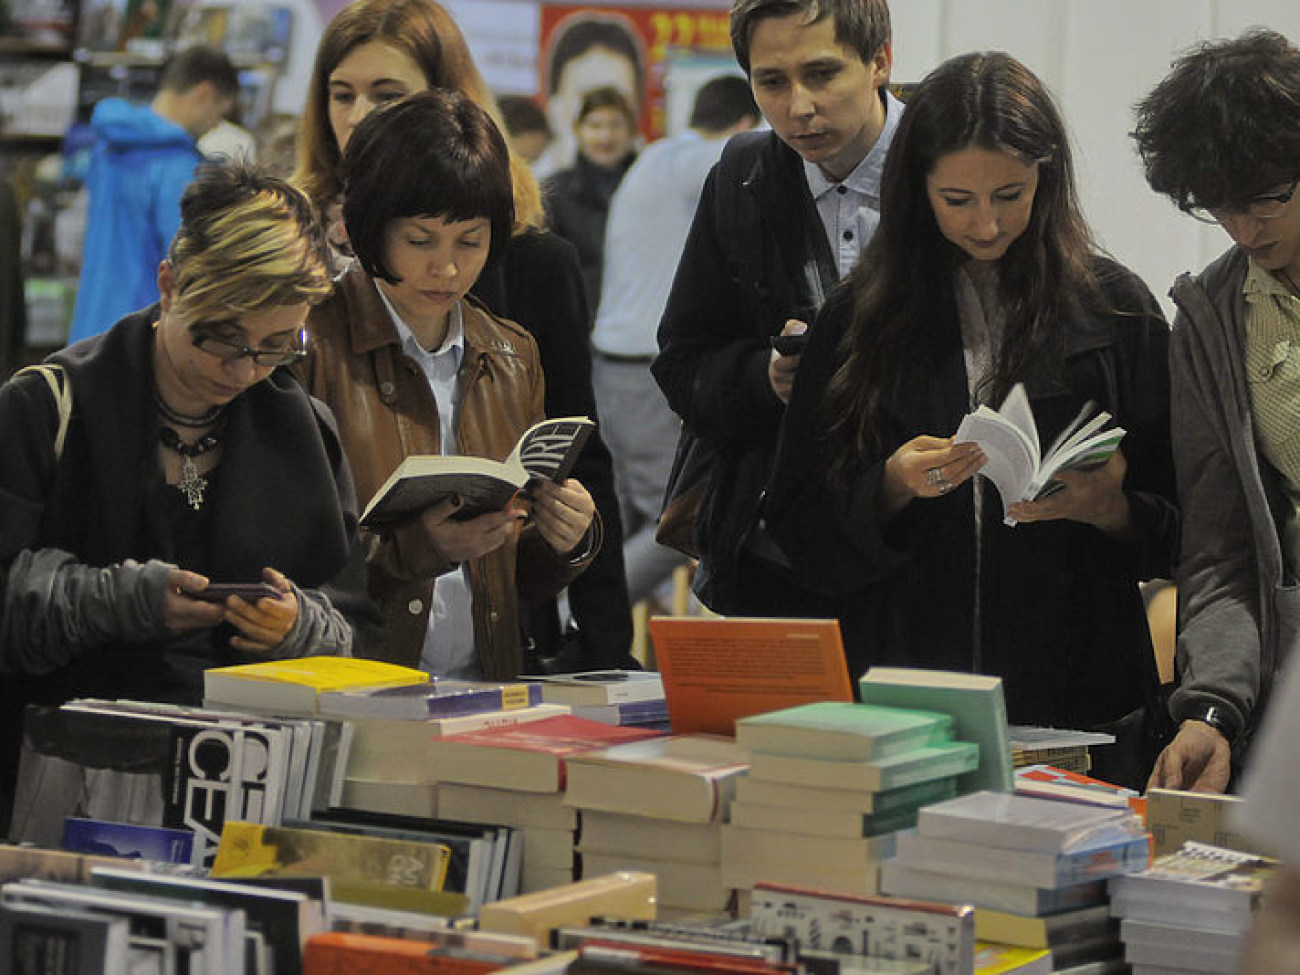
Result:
x=434 y=699
x=547 y=450
x=718 y=669
x=1017 y=465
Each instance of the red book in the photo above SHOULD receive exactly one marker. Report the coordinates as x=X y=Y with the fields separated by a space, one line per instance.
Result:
x=525 y=757
x=338 y=953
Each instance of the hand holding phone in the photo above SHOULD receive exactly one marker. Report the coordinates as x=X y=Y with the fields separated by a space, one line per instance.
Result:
x=250 y=592
x=790 y=344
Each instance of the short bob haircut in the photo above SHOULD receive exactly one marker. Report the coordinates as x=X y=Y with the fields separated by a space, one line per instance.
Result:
x=862 y=25
x=1224 y=126
x=435 y=154
x=248 y=241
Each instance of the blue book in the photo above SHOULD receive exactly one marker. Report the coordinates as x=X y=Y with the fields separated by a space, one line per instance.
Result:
x=625 y=712
x=436 y=699
x=105 y=838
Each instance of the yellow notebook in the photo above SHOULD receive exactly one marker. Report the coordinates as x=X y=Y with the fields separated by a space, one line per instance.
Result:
x=293 y=686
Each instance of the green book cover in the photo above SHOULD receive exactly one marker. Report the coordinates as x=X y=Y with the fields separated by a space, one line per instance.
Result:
x=842 y=730
x=974 y=701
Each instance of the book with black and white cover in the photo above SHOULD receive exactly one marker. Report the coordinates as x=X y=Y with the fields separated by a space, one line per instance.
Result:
x=285 y=919
x=546 y=450
x=1011 y=821
x=39 y=939
x=1200 y=876
x=210 y=939
x=1017 y=465
x=600 y=687
x=146 y=768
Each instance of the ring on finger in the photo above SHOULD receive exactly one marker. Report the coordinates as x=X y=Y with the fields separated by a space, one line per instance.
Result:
x=934 y=476
x=944 y=486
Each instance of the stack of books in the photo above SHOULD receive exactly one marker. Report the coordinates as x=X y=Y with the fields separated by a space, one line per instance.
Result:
x=178 y=769
x=1191 y=911
x=389 y=768
x=515 y=775
x=828 y=784
x=658 y=806
x=1035 y=869
x=621 y=697
x=1062 y=748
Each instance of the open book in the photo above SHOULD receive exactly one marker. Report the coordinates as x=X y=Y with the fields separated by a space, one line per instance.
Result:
x=547 y=449
x=1016 y=464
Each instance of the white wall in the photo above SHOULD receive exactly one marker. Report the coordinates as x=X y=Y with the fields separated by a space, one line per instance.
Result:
x=1099 y=57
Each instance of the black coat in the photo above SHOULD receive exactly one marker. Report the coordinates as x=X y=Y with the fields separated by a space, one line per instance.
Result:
x=1060 y=615
x=537 y=285
x=756 y=255
x=577 y=206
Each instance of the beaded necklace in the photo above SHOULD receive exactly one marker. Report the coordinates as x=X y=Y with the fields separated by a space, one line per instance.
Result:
x=192 y=483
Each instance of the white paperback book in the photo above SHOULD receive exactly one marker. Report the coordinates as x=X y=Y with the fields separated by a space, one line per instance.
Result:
x=1017 y=465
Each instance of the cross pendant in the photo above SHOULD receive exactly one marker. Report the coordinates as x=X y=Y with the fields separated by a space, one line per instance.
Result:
x=192 y=483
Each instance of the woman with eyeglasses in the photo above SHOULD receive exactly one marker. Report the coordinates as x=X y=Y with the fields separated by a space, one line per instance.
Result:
x=981 y=275
x=191 y=458
x=1220 y=136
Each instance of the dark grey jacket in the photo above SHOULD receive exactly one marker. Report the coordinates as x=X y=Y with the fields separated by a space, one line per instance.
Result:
x=1239 y=613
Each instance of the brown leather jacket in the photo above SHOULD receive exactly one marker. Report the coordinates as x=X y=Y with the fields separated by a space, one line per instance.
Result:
x=385 y=411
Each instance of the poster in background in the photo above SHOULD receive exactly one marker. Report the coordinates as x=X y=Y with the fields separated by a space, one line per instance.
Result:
x=585 y=46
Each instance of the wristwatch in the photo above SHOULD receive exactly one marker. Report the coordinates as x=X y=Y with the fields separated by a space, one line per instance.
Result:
x=1219 y=718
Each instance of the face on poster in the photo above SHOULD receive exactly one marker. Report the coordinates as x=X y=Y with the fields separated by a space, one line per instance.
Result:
x=628 y=48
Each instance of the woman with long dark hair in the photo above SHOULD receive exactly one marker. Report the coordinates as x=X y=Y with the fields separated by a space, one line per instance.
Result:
x=981 y=275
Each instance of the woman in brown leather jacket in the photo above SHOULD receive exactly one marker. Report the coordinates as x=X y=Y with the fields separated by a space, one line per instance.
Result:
x=410 y=363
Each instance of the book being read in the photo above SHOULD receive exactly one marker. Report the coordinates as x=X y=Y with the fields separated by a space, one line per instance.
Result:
x=1018 y=467
x=547 y=449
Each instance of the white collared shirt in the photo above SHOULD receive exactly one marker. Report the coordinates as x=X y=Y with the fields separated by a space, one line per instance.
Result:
x=850 y=209
x=449 y=649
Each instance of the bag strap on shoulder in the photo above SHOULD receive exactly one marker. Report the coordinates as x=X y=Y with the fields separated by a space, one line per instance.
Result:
x=61 y=389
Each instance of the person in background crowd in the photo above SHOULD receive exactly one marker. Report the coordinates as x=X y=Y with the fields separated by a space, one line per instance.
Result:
x=649 y=218
x=526 y=126
x=189 y=457
x=1220 y=136
x=587 y=51
x=983 y=275
x=577 y=199
x=783 y=216
x=143 y=157
x=410 y=364
x=376 y=51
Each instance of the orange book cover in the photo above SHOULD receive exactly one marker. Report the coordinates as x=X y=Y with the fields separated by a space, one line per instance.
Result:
x=718 y=669
x=339 y=953
x=526 y=757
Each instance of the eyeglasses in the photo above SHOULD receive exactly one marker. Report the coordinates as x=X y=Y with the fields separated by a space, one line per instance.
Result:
x=228 y=351
x=1270 y=206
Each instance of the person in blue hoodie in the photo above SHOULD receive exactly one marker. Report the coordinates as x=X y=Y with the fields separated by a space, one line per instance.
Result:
x=143 y=158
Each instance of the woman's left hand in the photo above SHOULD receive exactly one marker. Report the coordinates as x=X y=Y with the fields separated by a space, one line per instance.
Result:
x=1093 y=497
x=562 y=513
x=263 y=624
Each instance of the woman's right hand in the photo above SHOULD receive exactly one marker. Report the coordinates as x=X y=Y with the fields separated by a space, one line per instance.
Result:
x=181 y=611
x=460 y=541
x=926 y=467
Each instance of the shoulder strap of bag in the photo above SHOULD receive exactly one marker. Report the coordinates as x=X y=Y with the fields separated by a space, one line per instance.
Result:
x=61 y=390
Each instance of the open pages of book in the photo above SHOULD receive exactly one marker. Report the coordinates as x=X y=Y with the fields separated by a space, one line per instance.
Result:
x=1017 y=465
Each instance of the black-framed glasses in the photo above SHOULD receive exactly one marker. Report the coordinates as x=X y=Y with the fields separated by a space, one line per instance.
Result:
x=1270 y=206
x=228 y=350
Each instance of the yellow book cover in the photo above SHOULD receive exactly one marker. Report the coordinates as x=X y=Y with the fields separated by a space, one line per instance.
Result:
x=992 y=958
x=403 y=874
x=294 y=685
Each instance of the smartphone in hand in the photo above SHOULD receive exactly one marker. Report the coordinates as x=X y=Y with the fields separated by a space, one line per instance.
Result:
x=790 y=344
x=248 y=591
